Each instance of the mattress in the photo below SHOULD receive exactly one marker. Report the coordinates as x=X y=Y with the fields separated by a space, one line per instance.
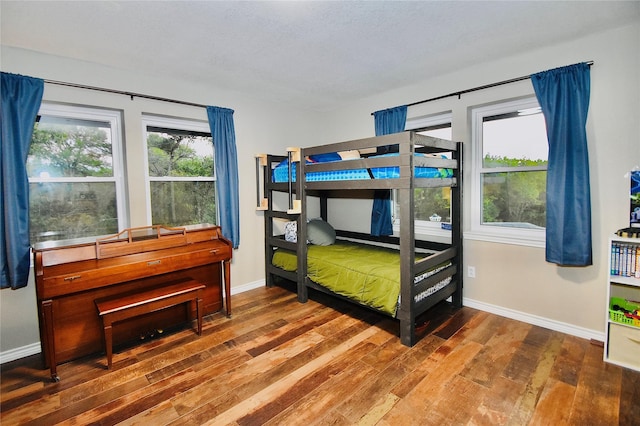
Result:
x=367 y=274
x=281 y=172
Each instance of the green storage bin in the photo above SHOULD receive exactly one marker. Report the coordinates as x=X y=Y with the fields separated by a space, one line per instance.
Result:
x=618 y=315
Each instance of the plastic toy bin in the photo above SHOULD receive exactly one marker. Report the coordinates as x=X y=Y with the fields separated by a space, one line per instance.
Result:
x=618 y=315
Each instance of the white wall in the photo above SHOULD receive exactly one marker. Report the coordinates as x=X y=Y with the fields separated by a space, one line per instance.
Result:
x=510 y=279
x=260 y=127
x=515 y=280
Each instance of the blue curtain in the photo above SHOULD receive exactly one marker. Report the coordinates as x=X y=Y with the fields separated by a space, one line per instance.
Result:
x=392 y=120
x=20 y=99
x=563 y=94
x=226 y=165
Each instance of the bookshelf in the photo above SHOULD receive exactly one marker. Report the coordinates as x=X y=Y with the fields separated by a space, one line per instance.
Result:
x=622 y=337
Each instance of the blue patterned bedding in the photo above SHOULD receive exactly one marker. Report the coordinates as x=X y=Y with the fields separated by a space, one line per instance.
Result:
x=281 y=172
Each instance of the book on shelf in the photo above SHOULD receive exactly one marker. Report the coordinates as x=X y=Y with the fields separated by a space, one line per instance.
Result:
x=625 y=259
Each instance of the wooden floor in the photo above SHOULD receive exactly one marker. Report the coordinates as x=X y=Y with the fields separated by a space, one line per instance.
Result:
x=279 y=362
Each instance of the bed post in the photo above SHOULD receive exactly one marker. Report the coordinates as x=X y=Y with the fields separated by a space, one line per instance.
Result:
x=261 y=170
x=301 y=273
x=323 y=206
x=265 y=165
x=406 y=310
x=456 y=230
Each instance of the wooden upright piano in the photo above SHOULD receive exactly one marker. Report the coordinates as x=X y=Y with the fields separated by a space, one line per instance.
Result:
x=70 y=275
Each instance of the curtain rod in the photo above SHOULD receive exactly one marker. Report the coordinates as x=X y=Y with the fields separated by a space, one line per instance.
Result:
x=474 y=89
x=122 y=92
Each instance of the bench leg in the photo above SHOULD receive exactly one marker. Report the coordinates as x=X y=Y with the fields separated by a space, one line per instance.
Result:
x=108 y=344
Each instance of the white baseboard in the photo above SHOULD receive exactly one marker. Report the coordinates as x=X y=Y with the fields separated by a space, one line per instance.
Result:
x=562 y=327
x=34 y=348
x=21 y=352
x=247 y=287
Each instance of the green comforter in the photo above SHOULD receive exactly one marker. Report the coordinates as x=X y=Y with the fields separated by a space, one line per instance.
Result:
x=369 y=275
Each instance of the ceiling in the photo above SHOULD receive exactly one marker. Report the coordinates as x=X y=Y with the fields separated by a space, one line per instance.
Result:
x=312 y=54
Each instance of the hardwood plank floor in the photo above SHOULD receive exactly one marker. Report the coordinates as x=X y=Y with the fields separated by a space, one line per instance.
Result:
x=279 y=362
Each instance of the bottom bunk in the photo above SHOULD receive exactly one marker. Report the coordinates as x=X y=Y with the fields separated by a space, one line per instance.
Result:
x=370 y=275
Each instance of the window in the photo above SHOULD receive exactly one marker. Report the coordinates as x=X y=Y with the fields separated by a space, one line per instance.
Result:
x=180 y=171
x=432 y=205
x=75 y=173
x=509 y=153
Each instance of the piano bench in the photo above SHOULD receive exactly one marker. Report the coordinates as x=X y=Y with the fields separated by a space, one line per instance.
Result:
x=127 y=306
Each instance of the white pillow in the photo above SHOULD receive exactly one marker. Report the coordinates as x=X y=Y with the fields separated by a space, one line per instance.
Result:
x=349 y=155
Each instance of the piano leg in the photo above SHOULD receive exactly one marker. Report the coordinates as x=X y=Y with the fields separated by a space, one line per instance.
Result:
x=227 y=286
x=199 y=313
x=46 y=311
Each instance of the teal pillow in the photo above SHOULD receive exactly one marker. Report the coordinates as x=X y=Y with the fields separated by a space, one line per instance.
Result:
x=320 y=233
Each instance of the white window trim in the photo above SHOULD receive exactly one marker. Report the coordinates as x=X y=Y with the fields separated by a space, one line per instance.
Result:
x=424 y=227
x=114 y=118
x=170 y=123
x=495 y=233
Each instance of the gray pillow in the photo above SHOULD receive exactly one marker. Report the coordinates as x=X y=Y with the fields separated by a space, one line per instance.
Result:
x=320 y=233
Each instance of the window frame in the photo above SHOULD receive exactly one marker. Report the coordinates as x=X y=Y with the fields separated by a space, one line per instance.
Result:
x=114 y=118
x=477 y=230
x=187 y=124
x=424 y=227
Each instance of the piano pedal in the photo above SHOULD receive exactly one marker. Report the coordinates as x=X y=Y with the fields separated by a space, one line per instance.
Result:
x=151 y=334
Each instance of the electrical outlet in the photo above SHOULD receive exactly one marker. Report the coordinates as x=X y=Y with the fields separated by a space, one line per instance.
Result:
x=471 y=271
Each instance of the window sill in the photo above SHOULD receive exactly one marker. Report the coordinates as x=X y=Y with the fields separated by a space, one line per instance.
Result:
x=429 y=231
x=513 y=239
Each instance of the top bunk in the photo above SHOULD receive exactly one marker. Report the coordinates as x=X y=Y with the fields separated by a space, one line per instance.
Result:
x=396 y=161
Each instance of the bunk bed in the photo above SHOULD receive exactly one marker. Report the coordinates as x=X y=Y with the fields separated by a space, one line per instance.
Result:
x=408 y=275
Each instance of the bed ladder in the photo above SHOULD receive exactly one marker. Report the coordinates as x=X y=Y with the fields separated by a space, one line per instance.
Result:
x=265 y=190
